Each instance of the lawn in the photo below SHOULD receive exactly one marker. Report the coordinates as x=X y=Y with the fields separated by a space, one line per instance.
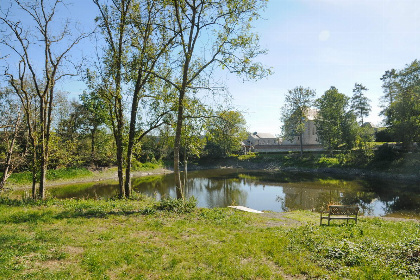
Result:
x=143 y=239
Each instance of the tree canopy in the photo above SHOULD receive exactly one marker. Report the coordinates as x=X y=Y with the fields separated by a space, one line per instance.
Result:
x=295 y=111
x=336 y=123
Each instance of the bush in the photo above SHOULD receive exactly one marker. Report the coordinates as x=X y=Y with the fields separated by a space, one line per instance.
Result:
x=137 y=165
x=247 y=156
x=67 y=173
x=328 y=161
x=387 y=152
x=177 y=205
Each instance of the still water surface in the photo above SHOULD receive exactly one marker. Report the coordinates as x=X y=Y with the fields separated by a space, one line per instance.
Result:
x=262 y=190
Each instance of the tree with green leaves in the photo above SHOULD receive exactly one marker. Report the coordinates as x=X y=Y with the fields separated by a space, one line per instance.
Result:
x=92 y=115
x=390 y=88
x=403 y=114
x=138 y=35
x=225 y=133
x=360 y=103
x=211 y=34
x=295 y=113
x=336 y=124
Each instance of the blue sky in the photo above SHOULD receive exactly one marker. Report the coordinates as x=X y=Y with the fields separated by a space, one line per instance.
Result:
x=323 y=43
x=316 y=44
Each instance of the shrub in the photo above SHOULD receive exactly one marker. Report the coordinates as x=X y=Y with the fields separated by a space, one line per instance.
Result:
x=247 y=156
x=177 y=205
x=387 y=152
x=137 y=165
x=328 y=161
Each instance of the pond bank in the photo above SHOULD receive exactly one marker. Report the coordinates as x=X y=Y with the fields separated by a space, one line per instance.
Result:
x=278 y=165
x=111 y=174
x=104 y=174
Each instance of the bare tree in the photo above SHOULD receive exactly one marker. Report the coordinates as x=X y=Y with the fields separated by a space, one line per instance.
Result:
x=49 y=43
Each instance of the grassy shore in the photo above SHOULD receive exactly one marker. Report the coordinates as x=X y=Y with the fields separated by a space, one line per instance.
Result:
x=144 y=239
x=80 y=175
x=405 y=166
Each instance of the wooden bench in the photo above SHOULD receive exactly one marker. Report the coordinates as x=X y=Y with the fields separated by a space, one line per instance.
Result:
x=340 y=212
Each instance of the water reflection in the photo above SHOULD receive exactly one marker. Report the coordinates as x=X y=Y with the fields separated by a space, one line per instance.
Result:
x=273 y=191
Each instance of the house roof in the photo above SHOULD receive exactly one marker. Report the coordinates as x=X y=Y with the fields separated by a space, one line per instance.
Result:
x=262 y=135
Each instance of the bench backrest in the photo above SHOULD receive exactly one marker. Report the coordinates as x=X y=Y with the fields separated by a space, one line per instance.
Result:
x=343 y=210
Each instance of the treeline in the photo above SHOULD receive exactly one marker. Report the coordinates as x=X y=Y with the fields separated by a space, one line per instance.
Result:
x=339 y=119
x=153 y=74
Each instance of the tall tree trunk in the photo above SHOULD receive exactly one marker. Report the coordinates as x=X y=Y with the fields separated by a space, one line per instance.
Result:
x=34 y=178
x=42 y=179
x=177 y=144
x=120 y=167
x=131 y=138
x=185 y=166
x=42 y=150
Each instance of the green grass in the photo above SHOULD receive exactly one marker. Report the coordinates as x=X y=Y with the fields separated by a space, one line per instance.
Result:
x=67 y=173
x=139 y=166
x=134 y=239
x=25 y=178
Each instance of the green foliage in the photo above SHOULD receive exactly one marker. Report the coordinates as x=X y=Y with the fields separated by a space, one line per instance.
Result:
x=336 y=125
x=402 y=109
x=295 y=111
x=360 y=103
x=384 y=135
x=67 y=173
x=24 y=178
x=177 y=205
x=328 y=161
x=248 y=156
x=137 y=165
x=225 y=133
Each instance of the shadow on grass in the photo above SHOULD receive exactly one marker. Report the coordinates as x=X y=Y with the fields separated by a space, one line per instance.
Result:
x=34 y=211
x=35 y=216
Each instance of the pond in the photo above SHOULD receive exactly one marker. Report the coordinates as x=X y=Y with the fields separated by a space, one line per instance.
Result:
x=274 y=191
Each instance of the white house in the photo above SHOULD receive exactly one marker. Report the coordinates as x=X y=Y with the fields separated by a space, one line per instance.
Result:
x=309 y=136
x=256 y=138
x=268 y=143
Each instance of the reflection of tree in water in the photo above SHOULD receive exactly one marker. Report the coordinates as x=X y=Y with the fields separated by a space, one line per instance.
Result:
x=216 y=191
x=317 y=195
x=225 y=192
x=219 y=188
x=300 y=198
x=85 y=190
x=398 y=197
x=155 y=186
